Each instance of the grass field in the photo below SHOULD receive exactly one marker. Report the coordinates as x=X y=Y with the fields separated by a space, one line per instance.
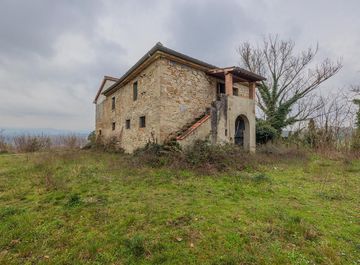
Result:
x=97 y=208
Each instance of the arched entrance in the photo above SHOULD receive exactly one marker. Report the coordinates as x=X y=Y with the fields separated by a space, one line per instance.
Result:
x=242 y=131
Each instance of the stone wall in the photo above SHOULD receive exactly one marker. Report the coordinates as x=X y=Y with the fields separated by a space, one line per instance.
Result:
x=100 y=112
x=219 y=121
x=185 y=94
x=147 y=104
x=171 y=95
x=202 y=132
x=246 y=108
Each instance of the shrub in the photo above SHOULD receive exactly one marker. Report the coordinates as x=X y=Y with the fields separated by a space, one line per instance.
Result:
x=91 y=141
x=264 y=132
x=157 y=155
x=136 y=246
x=111 y=145
x=355 y=141
x=261 y=177
x=108 y=144
x=74 y=200
x=208 y=158
x=92 y=137
x=71 y=141
x=4 y=146
x=204 y=155
x=27 y=143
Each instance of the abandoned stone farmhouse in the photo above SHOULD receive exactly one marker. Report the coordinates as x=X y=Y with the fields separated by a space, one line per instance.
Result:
x=168 y=95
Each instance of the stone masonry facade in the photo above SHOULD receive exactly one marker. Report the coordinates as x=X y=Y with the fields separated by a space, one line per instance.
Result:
x=165 y=95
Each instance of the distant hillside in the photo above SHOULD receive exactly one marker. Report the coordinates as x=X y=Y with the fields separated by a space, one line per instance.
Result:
x=10 y=132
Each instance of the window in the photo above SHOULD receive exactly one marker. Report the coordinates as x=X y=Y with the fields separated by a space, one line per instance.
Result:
x=113 y=103
x=220 y=89
x=135 y=90
x=127 y=124
x=235 y=91
x=142 y=122
x=99 y=132
x=113 y=126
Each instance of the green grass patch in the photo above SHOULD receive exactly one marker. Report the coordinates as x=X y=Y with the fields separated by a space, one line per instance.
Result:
x=99 y=208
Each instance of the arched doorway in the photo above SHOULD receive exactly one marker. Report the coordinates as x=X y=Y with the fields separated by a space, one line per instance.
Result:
x=239 y=131
x=242 y=132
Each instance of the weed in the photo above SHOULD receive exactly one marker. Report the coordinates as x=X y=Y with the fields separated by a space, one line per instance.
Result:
x=9 y=211
x=27 y=143
x=74 y=200
x=226 y=260
x=183 y=220
x=261 y=177
x=136 y=245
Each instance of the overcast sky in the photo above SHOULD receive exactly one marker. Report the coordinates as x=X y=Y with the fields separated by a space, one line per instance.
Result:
x=53 y=54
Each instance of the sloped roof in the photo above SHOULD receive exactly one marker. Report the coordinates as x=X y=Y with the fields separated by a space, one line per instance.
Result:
x=162 y=48
x=106 y=78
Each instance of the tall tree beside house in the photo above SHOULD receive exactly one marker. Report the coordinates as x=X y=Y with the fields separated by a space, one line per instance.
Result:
x=286 y=97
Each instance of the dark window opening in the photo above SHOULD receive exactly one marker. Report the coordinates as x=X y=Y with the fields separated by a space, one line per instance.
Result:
x=113 y=126
x=99 y=132
x=142 y=122
x=113 y=103
x=127 y=124
x=235 y=91
x=220 y=89
x=135 y=90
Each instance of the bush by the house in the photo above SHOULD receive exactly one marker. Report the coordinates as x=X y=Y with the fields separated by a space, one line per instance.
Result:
x=264 y=132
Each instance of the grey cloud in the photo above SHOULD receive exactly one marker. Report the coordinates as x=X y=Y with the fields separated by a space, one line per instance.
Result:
x=206 y=29
x=53 y=54
x=30 y=27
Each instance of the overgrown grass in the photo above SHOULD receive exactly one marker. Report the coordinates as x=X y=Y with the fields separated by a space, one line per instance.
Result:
x=98 y=208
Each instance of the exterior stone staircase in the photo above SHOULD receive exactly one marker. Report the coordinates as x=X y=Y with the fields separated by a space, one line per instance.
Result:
x=190 y=127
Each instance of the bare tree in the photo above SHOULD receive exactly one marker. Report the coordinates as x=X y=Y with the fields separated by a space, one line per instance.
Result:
x=3 y=143
x=286 y=96
x=356 y=100
x=334 y=121
x=355 y=90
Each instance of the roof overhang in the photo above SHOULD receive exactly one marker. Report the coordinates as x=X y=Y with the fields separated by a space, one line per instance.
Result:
x=239 y=74
x=106 y=78
x=155 y=53
x=160 y=51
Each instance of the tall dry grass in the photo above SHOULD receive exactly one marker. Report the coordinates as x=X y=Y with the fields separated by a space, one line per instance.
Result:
x=4 y=146
x=39 y=143
x=28 y=143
